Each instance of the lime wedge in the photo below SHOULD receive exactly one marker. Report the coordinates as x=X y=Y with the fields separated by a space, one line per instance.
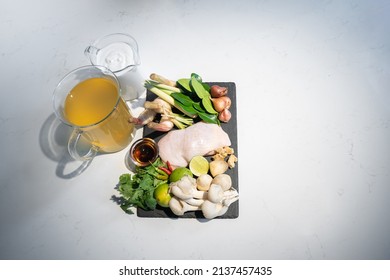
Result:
x=199 y=165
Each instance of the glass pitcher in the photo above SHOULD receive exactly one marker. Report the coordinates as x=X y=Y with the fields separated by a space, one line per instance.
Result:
x=89 y=100
x=119 y=53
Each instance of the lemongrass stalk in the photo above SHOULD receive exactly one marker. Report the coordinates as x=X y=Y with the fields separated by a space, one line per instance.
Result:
x=166 y=87
x=162 y=79
x=178 y=124
x=182 y=119
x=164 y=96
x=169 y=92
x=167 y=98
x=179 y=120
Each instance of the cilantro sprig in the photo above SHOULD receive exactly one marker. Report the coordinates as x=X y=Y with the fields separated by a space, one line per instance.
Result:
x=137 y=190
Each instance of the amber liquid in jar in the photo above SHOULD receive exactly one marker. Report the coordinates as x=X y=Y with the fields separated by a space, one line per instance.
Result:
x=144 y=152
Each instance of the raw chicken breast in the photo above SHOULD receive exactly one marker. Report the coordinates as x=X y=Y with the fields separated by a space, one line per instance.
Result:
x=180 y=146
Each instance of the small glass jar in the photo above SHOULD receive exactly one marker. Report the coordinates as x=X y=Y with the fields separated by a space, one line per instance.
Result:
x=143 y=152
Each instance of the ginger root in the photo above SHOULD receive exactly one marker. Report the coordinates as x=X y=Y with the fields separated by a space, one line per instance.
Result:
x=226 y=152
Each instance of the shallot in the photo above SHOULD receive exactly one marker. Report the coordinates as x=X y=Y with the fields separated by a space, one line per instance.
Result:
x=225 y=115
x=218 y=91
x=221 y=103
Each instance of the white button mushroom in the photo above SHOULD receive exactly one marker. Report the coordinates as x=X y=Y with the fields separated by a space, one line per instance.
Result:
x=215 y=193
x=204 y=182
x=224 y=180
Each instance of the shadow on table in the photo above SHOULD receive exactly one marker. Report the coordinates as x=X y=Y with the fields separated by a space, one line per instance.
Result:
x=53 y=140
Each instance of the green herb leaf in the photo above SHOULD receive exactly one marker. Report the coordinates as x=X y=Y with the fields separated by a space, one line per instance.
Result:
x=150 y=201
x=206 y=87
x=199 y=89
x=197 y=77
x=126 y=207
x=197 y=107
x=138 y=190
x=124 y=178
x=182 y=98
x=184 y=84
x=190 y=109
x=206 y=102
x=209 y=118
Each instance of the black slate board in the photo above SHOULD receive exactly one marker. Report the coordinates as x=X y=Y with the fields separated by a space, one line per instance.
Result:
x=231 y=129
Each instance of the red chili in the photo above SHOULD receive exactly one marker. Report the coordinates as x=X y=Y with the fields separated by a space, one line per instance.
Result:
x=166 y=170
x=169 y=166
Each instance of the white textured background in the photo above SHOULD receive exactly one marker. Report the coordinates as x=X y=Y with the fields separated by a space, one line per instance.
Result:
x=313 y=80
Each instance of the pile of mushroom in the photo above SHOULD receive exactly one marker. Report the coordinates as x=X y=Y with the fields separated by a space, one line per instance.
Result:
x=212 y=196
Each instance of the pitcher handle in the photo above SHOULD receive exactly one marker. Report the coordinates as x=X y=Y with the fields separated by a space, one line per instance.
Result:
x=91 y=53
x=72 y=147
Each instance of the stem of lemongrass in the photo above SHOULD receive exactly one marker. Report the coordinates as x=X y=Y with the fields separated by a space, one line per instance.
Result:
x=163 y=95
x=182 y=119
x=166 y=87
x=166 y=97
x=178 y=124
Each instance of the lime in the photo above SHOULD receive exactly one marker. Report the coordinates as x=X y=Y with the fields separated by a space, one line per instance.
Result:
x=162 y=196
x=178 y=173
x=199 y=165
